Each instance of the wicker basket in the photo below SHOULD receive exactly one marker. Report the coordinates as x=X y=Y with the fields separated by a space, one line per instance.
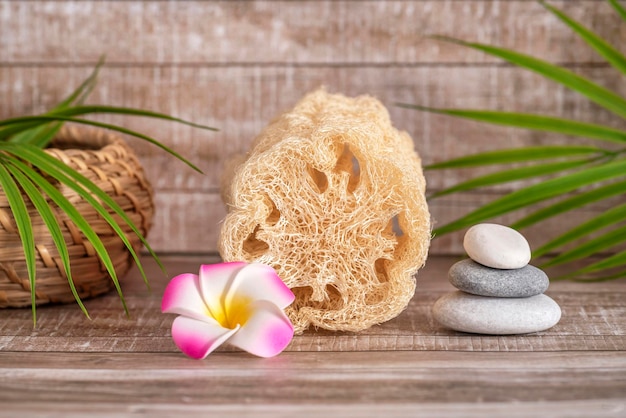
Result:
x=108 y=161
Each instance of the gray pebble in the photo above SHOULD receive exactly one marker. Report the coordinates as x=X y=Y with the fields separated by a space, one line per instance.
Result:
x=461 y=311
x=472 y=277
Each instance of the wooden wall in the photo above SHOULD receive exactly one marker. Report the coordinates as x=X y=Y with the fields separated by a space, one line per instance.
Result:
x=236 y=64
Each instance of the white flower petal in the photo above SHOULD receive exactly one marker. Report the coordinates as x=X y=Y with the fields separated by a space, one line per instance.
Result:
x=215 y=280
x=198 y=339
x=182 y=296
x=266 y=332
x=259 y=282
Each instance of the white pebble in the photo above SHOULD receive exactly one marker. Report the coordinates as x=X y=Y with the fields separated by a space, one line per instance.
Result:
x=462 y=311
x=497 y=246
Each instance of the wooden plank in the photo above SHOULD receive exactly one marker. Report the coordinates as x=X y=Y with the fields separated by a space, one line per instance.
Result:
x=284 y=31
x=299 y=378
x=235 y=65
x=71 y=408
x=592 y=320
x=129 y=367
x=241 y=101
x=187 y=222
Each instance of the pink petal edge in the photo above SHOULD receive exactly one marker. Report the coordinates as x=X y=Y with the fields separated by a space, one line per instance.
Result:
x=266 y=333
x=182 y=296
x=215 y=280
x=198 y=339
x=258 y=281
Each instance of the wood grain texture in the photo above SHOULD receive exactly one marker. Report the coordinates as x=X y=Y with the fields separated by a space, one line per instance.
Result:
x=70 y=408
x=592 y=320
x=332 y=378
x=174 y=233
x=241 y=101
x=301 y=32
x=113 y=365
x=235 y=65
x=249 y=98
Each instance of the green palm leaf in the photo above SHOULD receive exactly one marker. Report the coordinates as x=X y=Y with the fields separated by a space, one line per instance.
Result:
x=571 y=203
x=43 y=133
x=607 y=174
x=573 y=81
x=616 y=260
x=87 y=190
x=54 y=118
x=75 y=216
x=70 y=112
x=516 y=155
x=72 y=212
x=22 y=160
x=24 y=227
x=21 y=173
x=530 y=121
x=619 y=9
x=514 y=174
x=603 y=48
x=593 y=246
x=82 y=92
x=93 y=109
x=18 y=131
x=608 y=218
x=536 y=193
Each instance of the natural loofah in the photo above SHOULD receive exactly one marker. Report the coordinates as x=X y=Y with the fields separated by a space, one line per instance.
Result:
x=332 y=197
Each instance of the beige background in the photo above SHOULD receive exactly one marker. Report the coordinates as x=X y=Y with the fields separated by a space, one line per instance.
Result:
x=236 y=64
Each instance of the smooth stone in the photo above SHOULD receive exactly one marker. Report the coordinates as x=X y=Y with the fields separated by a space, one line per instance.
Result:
x=474 y=278
x=497 y=246
x=462 y=311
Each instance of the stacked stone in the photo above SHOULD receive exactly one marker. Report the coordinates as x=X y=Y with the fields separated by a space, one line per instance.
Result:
x=498 y=291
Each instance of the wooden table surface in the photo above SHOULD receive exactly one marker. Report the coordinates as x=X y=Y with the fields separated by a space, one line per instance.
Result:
x=112 y=365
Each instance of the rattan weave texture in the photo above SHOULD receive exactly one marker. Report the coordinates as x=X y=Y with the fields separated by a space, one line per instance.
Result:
x=107 y=160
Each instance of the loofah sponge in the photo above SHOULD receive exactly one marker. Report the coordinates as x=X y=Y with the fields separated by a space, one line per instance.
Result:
x=332 y=197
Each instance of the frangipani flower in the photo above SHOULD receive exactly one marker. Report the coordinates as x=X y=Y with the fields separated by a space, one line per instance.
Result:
x=239 y=302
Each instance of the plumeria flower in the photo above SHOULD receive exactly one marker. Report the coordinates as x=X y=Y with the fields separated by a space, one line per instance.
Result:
x=239 y=302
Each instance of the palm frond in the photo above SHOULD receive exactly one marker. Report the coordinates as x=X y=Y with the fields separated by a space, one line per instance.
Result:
x=610 y=217
x=619 y=9
x=36 y=157
x=603 y=177
x=24 y=227
x=594 y=92
x=602 y=47
x=32 y=184
x=534 y=122
x=517 y=155
x=537 y=193
x=57 y=118
x=616 y=260
x=592 y=246
x=44 y=133
x=570 y=203
x=23 y=164
x=88 y=191
x=513 y=174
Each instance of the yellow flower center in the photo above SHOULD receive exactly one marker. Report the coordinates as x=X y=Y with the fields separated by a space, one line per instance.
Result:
x=237 y=312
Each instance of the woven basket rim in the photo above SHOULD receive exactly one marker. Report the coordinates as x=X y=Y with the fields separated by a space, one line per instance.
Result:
x=86 y=139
